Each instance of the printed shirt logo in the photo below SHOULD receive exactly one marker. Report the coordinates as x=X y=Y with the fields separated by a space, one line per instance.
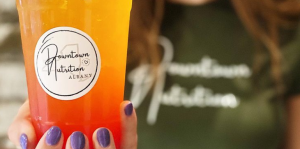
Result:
x=177 y=96
x=67 y=63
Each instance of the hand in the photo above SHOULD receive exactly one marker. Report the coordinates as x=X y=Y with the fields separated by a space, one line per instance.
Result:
x=21 y=133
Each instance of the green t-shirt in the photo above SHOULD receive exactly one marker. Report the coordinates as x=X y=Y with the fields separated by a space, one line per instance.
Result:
x=204 y=96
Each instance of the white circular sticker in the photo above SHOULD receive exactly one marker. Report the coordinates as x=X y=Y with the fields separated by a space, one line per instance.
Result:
x=67 y=63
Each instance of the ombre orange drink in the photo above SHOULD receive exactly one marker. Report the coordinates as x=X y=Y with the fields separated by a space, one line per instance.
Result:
x=75 y=58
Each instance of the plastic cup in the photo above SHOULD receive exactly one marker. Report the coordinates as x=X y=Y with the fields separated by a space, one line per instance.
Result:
x=75 y=59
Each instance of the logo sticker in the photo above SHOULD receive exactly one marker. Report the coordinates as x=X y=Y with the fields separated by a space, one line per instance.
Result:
x=67 y=63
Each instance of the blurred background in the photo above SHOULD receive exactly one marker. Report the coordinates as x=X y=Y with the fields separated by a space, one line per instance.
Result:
x=13 y=90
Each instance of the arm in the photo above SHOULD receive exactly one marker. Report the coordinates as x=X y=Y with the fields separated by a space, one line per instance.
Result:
x=293 y=123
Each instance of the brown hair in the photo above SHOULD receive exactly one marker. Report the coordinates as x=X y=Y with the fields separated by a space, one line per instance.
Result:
x=262 y=18
x=146 y=17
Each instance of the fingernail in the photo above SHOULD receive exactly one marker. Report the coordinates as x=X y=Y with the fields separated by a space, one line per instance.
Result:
x=103 y=137
x=53 y=136
x=128 y=109
x=77 y=140
x=23 y=141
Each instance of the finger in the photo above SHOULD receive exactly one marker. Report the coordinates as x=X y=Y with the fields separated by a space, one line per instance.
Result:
x=77 y=140
x=52 y=139
x=129 y=126
x=103 y=139
x=21 y=131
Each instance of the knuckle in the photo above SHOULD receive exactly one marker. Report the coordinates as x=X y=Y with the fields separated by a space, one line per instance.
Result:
x=11 y=132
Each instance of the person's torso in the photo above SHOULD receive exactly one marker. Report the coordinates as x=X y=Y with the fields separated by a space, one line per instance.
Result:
x=205 y=95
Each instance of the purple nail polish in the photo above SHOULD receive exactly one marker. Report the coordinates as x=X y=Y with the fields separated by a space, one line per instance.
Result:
x=103 y=137
x=77 y=140
x=23 y=141
x=53 y=136
x=128 y=109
